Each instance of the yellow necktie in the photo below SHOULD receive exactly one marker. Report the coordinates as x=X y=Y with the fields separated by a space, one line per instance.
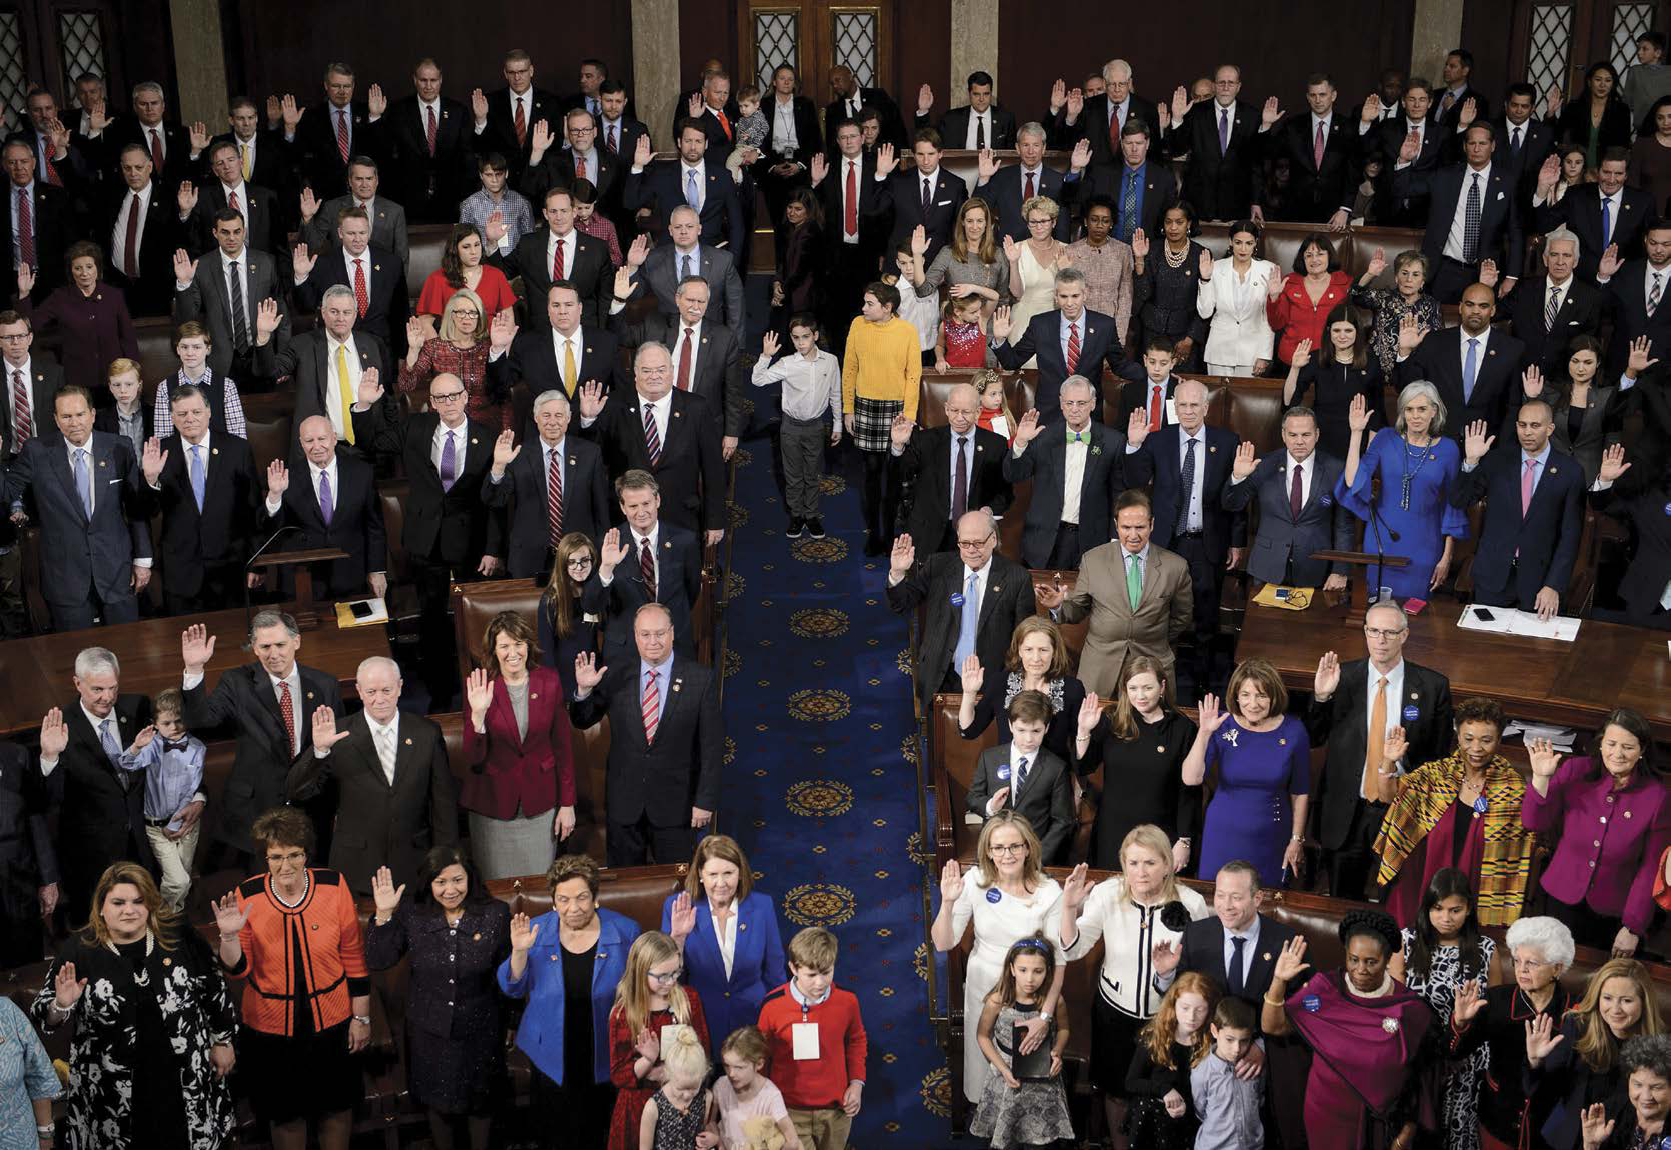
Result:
x=568 y=367
x=346 y=391
x=243 y=152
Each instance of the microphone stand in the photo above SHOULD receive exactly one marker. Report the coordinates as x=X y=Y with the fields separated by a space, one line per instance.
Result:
x=287 y=529
x=1380 y=552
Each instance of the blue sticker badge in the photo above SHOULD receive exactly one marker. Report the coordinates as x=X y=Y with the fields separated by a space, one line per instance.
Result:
x=1003 y=772
x=1411 y=714
x=1312 y=1003
x=993 y=896
x=1479 y=805
x=957 y=599
x=1668 y=508
x=1327 y=502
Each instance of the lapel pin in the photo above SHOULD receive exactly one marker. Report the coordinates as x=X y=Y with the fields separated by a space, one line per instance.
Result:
x=99 y=297
x=1282 y=742
x=1490 y=352
x=676 y=414
x=168 y=962
x=572 y=461
x=1627 y=814
x=310 y=694
x=742 y=926
x=409 y=741
x=1210 y=447
x=101 y=463
x=377 y=267
x=477 y=937
x=677 y=683
x=474 y=441
x=533 y=694
x=214 y=451
x=1552 y=471
x=1415 y=695
x=554 y=957
x=313 y=925
x=1160 y=750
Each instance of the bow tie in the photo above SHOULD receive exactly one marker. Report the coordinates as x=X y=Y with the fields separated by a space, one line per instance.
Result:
x=1079 y=436
x=175 y=745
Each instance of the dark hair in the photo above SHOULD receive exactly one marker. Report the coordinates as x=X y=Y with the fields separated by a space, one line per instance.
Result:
x=1134 y=127
x=1316 y=78
x=1185 y=207
x=808 y=200
x=1376 y=924
x=1251 y=229
x=1161 y=343
x=804 y=319
x=1233 y=1013
x=216 y=148
x=927 y=136
x=1479 y=709
x=583 y=191
x=1242 y=866
x=1629 y=721
x=282 y=827
x=494 y=160
x=885 y=294
x=1029 y=707
x=84 y=249
x=983 y=78
x=1133 y=497
x=227 y=215
x=1346 y=313
x=1463 y=57
x=1099 y=201
x=1446 y=883
x=1646 y=127
x=611 y=87
x=1315 y=240
x=452 y=267
x=1650 y=1052
x=594 y=62
x=1520 y=88
x=362 y=161
x=439 y=859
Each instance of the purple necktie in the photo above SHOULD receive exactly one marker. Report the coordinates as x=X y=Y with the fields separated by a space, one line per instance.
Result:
x=449 y=464
x=325 y=497
x=1223 y=130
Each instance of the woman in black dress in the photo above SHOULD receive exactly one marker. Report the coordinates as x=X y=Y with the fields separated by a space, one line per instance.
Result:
x=1037 y=661
x=154 y=1024
x=1165 y=278
x=1141 y=750
x=571 y=610
x=800 y=246
x=1342 y=368
x=457 y=935
x=1599 y=119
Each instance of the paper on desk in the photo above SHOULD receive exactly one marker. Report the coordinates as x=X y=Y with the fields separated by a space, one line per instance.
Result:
x=1509 y=621
x=379 y=613
x=1562 y=738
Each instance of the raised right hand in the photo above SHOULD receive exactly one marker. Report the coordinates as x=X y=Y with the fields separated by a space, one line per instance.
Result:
x=1377 y=263
x=325 y=733
x=229 y=919
x=25 y=280
x=592 y=399
x=1371 y=109
x=886 y=160
x=1245 y=463
x=184 y=266
x=197 y=646
x=1475 y=442
x=186 y=197
x=1205 y=266
x=900 y=430
x=309 y=204
x=972 y=674
x=278 y=478
x=478 y=105
x=641 y=152
x=542 y=140
x=1165 y=956
x=1001 y=323
x=925 y=100
x=478 y=691
x=1357 y=414
x=55 y=734
x=904 y=554
x=384 y=894
x=1090 y=713
x=523 y=933
x=1075 y=891
x=682 y=917
x=1027 y=427
x=1180 y=103
x=1209 y=717
x=267 y=318
x=302 y=261
x=291 y=113
x=1597 y=1128
x=505 y=450
x=1139 y=244
x=820 y=169
x=1327 y=680
x=66 y=987
x=769 y=346
x=614 y=550
x=1613 y=463
x=1610 y=262
x=1541 y=1038
x=1468 y=1002
x=951 y=882
x=1410 y=334
x=1549 y=173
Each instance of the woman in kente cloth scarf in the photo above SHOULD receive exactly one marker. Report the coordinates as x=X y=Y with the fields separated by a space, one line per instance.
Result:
x=1460 y=811
x=1375 y=1044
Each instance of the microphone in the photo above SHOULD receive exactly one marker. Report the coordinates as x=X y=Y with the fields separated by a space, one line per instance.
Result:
x=256 y=554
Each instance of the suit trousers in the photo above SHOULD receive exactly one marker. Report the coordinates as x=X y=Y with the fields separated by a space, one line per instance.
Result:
x=855 y=266
x=878 y=500
x=14 y=618
x=439 y=653
x=1206 y=584
x=1353 y=867
x=633 y=844
x=221 y=589
x=1065 y=552
x=802 y=444
x=1452 y=279
x=76 y=616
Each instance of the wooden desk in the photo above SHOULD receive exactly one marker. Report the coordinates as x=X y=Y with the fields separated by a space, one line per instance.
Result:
x=35 y=673
x=1575 y=684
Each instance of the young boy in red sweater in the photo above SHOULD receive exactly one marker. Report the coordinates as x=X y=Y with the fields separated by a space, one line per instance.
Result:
x=817 y=1043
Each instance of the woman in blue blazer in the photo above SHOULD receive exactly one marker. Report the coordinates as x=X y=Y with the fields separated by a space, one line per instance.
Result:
x=566 y=963
x=718 y=902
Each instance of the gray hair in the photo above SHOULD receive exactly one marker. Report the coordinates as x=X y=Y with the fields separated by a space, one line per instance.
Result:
x=551 y=396
x=1206 y=392
x=91 y=660
x=1650 y=1052
x=649 y=345
x=336 y=291
x=691 y=281
x=1076 y=382
x=1566 y=235
x=338 y=68
x=1550 y=937
x=1031 y=128
x=1070 y=276
x=662 y=608
x=1390 y=605
x=378 y=663
x=1299 y=410
x=1114 y=68
x=270 y=618
x=1421 y=389
x=148 y=86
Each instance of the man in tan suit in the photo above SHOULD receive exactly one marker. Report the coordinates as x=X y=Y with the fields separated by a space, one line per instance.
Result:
x=1112 y=578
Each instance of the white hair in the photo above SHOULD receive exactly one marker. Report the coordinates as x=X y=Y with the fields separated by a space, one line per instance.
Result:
x=92 y=660
x=1422 y=388
x=551 y=395
x=1113 y=68
x=1548 y=936
x=336 y=291
x=378 y=663
x=1564 y=234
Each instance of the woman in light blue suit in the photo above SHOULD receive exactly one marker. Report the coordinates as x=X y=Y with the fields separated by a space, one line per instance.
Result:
x=567 y=963
x=719 y=911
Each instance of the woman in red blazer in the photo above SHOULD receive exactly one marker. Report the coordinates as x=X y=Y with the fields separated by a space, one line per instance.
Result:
x=1315 y=288
x=90 y=315
x=518 y=743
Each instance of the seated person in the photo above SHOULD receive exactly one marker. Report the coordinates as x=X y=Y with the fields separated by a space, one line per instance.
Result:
x=1026 y=779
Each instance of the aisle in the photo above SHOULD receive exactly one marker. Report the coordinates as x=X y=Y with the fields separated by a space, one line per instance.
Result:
x=819 y=788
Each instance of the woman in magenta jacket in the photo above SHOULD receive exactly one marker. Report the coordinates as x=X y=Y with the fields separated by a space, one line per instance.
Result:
x=1315 y=288
x=517 y=740
x=1613 y=815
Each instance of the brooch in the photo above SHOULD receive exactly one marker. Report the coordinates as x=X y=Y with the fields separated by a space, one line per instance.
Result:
x=1096 y=449
x=1282 y=742
x=1390 y=1025
x=1229 y=737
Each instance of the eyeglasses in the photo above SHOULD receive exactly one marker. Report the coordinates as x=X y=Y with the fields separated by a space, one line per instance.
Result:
x=445 y=396
x=16 y=337
x=1039 y=223
x=665 y=977
x=1383 y=633
x=580 y=561
x=1008 y=848
x=973 y=544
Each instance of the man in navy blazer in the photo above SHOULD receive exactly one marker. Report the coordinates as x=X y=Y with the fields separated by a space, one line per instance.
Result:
x=1191 y=521
x=1476 y=185
x=93 y=504
x=670 y=574
x=1008 y=188
x=207 y=493
x=1629 y=287
x=325 y=136
x=1523 y=140
x=386 y=305
x=1298 y=513
x=663 y=185
x=1385 y=140
x=1441 y=358
x=1323 y=190
x=332 y=501
x=1221 y=136
x=1060 y=527
x=1050 y=337
x=1534 y=513
x=1153 y=187
x=505 y=119
x=1629 y=211
x=585 y=261
x=928 y=197
x=520 y=479
x=1578 y=306
x=924 y=463
x=540 y=357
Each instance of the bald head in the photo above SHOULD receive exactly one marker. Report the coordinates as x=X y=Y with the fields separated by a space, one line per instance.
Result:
x=318 y=439
x=963 y=408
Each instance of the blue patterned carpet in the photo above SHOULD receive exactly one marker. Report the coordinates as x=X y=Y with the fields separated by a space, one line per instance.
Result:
x=821 y=786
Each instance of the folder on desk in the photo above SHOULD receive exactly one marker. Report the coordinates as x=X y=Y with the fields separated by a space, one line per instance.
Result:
x=1286 y=598
x=1509 y=621
x=373 y=612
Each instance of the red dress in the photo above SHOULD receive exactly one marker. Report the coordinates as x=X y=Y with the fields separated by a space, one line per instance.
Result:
x=493 y=288
x=631 y=1094
x=470 y=365
x=965 y=344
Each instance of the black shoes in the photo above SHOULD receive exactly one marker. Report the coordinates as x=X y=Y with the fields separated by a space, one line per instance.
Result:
x=795 y=525
x=815 y=527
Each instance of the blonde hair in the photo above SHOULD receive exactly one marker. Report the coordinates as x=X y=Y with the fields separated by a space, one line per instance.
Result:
x=684 y=1056
x=747 y=1043
x=1032 y=872
x=1152 y=839
x=448 y=331
x=121 y=367
x=1596 y=1045
x=632 y=993
x=814 y=948
x=986 y=379
x=1124 y=721
x=725 y=848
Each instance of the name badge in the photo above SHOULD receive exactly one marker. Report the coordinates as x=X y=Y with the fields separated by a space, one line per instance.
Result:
x=803 y=1038
x=1312 y=1003
x=957 y=599
x=1003 y=772
x=1411 y=714
x=994 y=896
x=1479 y=805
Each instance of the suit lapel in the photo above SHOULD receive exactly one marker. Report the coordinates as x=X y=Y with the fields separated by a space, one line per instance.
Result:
x=58 y=463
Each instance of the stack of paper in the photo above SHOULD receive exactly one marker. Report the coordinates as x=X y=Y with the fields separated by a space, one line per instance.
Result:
x=1509 y=621
x=1563 y=738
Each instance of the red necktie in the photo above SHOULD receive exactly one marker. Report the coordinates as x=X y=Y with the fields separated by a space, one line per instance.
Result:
x=651 y=707
x=1029 y=193
x=521 y=124
x=429 y=129
x=361 y=298
x=579 y=166
x=1317 y=148
x=232 y=202
x=156 y=151
x=1073 y=347
x=1296 y=493
x=1114 y=127
x=557 y=262
x=647 y=564
x=684 y=361
x=1154 y=407
x=287 y=711
x=554 y=498
x=22 y=426
x=850 y=216
x=342 y=135
x=130 y=254
x=724 y=123
x=52 y=176
x=25 y=228
x=610 y=143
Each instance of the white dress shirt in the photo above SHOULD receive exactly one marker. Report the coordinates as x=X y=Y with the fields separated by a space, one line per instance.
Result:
x=242 y=260
x=975 y=120
x=1192 y=519
x=784 y=142
x=438 y=444
x=1560 y=290
x=1073 y=477
x=811 y=387
x=131 y=202
x=1484 y=338
x=981 y=578
x=1395 y=702
x=726 y=934
x=695 y=338
x=1456 y=239
x=632 y=561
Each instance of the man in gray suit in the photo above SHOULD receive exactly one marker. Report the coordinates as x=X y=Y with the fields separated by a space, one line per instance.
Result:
x=1298 y=513
x=1075 y=477
x=706 y=357
x=663 y=267
x=224 y=290
x=328 y=383
x=94 y=506
x=388 y=219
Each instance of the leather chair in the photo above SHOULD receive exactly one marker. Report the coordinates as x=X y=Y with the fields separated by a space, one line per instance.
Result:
x=424 y=245
x=156 y=347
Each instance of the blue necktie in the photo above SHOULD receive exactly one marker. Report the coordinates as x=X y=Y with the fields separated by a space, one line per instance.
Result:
x=83 y=485
x=1235 y=976
x=1470 y=367
x=692 y=196
x=197 y=477
x=1606 y=221
x=1128 y=206
x=966 y=627
x=1020 y=779
x=107 y=740
x=1188 y=480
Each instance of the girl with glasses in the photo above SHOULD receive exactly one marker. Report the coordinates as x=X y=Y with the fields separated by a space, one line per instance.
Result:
x=572 y=607
x=649 y=1003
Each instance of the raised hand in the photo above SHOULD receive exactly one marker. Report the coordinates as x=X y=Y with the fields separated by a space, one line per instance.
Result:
x=1205 y=266
x=971 y=674
x=902 y=557
x=66 y=987
x=478 y=692
x=229 y=918
x=1165 y=955
x=1292 y=959
x=1475 y=441
x=1137 y=426
x=186 y=198
x=1634 y=366
x=309 y=204
x=770 y=345
x=370 y=389
x=325 y=733
x=267 y=319
x=495 y=228
x=1597 y=1128
x=1488 y=273
x=1541 y=1038
x=694 y=106
x=1209 y=717
x=278 y=479
x=887 y=159
x=1410 y=334
x=1549 y=174
x=197 y=646
x=1468 y=1002
x=1371 y=109
x=614 y=550
x=1469 y=110
x=925 y=100
x=384 y=894
x=1163 y=115
x=648 y=1046
x=1180 y=103
x=899 y=431
x=986 y=165
x=1027 y=427
x=1410 y=150
x=1075 y=891
x=291 y=113
x=919 y=241
x=1613 y=463
x=1377 y=263
x=55 y=734
x=1543 y=757
x=505 y=451
x=416 y=332
x=542 y=141
x=199 y=137
x=523 y=933
x=1327 y=679
x=184 y=266
x=1271 y=112
x=682 y=917
x=142 y=740
x=274 y=111
x=151 y=460
x=1058 y=95
x=478 y=105
x=25 y=280
x=376 y=102
x=1244 y=463
x=592 y=399
x=1552 y=104
x=587 y=673
x=1274 y=288
x=1012 y=251
x=1076 y=105
x=820 y=168
x=1001 y=323
x=1531 y=382
x=641 y=151
x=1393 y=748
x=302 y=261
x=1139 y=245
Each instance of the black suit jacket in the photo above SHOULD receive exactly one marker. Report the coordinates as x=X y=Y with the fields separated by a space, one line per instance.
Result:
x=903 y=194
x=177 y=160
x=500 y=133
x=1534 y=550
x=388 y=303
x=306 y=360
x=28 y=860
x=1283 y=544
x=47 y=378
x=451 y=528
x=935 y=579
x=532 y=360
x=809 y=141
x=272 y=163
x=151 y=293
x=1580 y=211
x=1044 y=461
x=245 y=705
x=51 y=210
x=690 y=471
x=100 y=808
x=664 y=779
x=1446 y=190
x=678 y=583
x=874 y=207
x=658 y=188
x=428 y=186
x=1093 y=126
x=379 y=823
x=1438 y=114
x=954 y=127
x=1006 y=192
x=1644 y=509
x=1537 y=140
x=1342 y=720
x=1160 y=459
x=1383 y=141
x=590 y=270
x=222 y=532
x=923 y=474
x=1627 y=297
x=266 y=221
x=1202 y=950
x=1099 y=345
x=607 y=173
x=1438 y=359
x=1046 y=801
x=1315 y=194
x=1160 y=192
x=1134 y=393
x=718 y=374
x=356 y=524
x=1580 y=314
x=317 y=162
x=1218 y=184
x=523 y=489
x=891 y=123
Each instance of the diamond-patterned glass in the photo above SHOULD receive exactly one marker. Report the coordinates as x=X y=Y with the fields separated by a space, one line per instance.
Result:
x=774 y=44
x=1547 y=47
x=13 y=82
x=81 y=40
x=854 y=37
x=1629 y=22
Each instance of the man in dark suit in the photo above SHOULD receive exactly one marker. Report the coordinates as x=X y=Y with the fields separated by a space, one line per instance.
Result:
x=1298 y=513
x=618 y=135
x=263 y=227
x=269 y=707
x=1007 y=188
x=560 y=251
x=228 y=289
x=332 y=367
x=1534 y=513
x=62 y=159
x=324 y=137
x=31 y=380
x=1384 y=140
x=848 y=98
x=975 y=599
x=373 y=275
x=1384 y=691
x=93 y=501
x=594 y=80
x=1322 y=153
x=1075 y=476
x=1642 y=503
x=1221 y=136
x=1609 y=215
x=1472 y=215
x=942 y=473
x=1149 y=385
x=1549 y=312
x=141 y=266
x=1523 y=141
x=100 y=807
x=427 y=144
x=706 y=359
x=666 y=742
x=1139 y=191
x=1022 y=777
x=49 y=229
x=661 y=268
x=174 y=155
x=333 y=503
x=558 y=164
x=856 y=227
x=552 y=485
x=664 y=431
x=1457 y=92
x=261 y=153
x=565 y=353
x=690 y=179
x=394 y=795
x=1189 y=467
x=207 y=494
x=647 y=560
x=928 y=197
x=319 y=216
x=504 y=121
x=711 y=67
x=1475 y=368
x=29 y=888
x=1052 y=336
x=1635 y=291
x=980 y=124
x=1101 y=118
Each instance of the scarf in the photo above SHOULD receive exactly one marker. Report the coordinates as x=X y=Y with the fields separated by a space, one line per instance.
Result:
x=1427 y=795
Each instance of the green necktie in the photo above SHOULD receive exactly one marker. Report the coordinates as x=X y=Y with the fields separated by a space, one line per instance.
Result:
x=1134 y=580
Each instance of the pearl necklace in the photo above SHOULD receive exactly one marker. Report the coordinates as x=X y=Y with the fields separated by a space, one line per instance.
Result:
x=142 y=977
x=1176 y=261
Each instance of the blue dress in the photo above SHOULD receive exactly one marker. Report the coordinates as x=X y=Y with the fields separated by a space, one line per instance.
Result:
x=1251 y=816
x=1422 y=527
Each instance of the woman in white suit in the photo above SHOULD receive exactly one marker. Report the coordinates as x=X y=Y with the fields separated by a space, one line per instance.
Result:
x=1232 y=294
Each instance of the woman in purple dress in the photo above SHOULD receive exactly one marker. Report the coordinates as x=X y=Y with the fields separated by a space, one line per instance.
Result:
x=1263 y=760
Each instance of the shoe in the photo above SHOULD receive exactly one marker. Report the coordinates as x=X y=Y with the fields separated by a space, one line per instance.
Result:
x=815 y=527
x=795 y=524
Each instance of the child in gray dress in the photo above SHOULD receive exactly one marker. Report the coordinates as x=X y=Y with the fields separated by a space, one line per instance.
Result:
x=1015 y=1111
